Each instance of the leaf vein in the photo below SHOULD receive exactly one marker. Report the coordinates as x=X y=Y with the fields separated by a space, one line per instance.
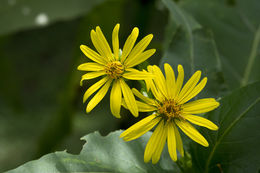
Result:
x=227 y=130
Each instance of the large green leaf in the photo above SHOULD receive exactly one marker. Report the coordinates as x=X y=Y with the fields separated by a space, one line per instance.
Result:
x=236 y=30
x=187 y=23
x=235 y=146
x=108 y=153
x=21 y=14
x=188 y=44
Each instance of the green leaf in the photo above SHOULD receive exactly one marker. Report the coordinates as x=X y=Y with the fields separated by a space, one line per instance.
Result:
x=108 y=153
x=236 y=30
x=182 y=19
x=235 y=146
x=16 y=15
x=188 y=44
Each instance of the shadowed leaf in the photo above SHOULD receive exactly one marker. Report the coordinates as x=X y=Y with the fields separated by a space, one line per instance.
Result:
x=234 y=147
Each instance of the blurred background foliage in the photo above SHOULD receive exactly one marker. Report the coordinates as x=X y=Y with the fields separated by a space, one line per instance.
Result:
x=41 y=108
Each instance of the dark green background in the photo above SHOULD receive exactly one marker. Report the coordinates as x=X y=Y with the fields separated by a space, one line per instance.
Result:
x=41 y=106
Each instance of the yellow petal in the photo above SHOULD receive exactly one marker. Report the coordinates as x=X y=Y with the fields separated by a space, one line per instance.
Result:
x=160 y=145
x=94 y=88
x=139 y=48
x=116 y=99
x=104 y=44
x=179 y=81
x=129 y=44
x=190 y=131
x=129 y=98
x=97 y=43
x=170 y=80
x=156 y=93
x=143 y=107
x=194 y=92
x=153 y=142
x=99 y=96
x=201 y=121
x=91 y=54
x=91 y=75
x=148 y=82
x=140 y=58
x=140 y=128
x=115 y=41
x=171 y=141
x=160 y=80
x=142 y=97
x=179 y=144
x=124 y=104
x=90 y=66
x=189 y=86
x=138 y=125
x=133 y=74
x=200 y=106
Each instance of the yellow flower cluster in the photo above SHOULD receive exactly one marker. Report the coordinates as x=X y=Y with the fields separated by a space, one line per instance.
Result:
x=170 y=108
x=114 y=67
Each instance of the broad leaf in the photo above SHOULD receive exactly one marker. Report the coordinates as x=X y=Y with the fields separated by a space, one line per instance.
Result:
x=108 y=153
x=21 y=14
x=236 y=30
x=186 y=22
x=188 y=44
x=235 y=146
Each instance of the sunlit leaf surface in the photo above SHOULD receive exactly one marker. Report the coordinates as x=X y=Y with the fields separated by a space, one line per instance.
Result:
x=107 y=154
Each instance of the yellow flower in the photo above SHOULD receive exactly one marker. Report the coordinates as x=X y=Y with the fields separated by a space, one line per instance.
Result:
x=114 y=67
x=171 y=110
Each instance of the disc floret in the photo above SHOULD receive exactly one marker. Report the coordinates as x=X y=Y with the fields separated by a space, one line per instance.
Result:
x=114 y=69
x=170 y=109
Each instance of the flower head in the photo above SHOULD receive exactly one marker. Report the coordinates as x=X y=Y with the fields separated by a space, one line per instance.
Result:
x=171 y=110
x=114 y=67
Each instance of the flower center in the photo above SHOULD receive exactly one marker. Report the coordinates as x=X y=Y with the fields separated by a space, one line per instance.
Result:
x=114 y=69
x=170 y=109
